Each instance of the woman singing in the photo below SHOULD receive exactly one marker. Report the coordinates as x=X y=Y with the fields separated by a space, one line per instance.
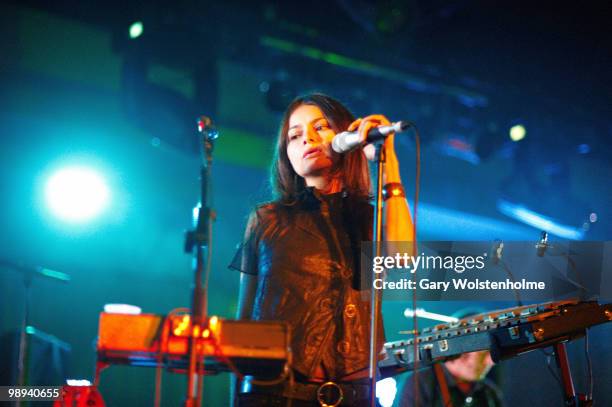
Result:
x=299 y=261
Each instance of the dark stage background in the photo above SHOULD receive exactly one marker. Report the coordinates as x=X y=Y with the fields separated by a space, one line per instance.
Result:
x=75 y=89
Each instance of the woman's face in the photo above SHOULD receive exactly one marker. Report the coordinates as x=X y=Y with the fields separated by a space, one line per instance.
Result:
x=309 y=143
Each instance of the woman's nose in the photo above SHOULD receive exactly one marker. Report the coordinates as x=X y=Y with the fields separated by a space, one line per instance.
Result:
x=311 y=137
x=309 y=140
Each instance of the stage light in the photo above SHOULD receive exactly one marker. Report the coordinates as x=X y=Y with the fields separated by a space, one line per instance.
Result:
x=136 y=29
x=421 y=313
x=538 y=221
x=76 y=194
x=264 y=87
x=195 y=215
x=78 y=382
x=386 y=389
x=126 y=309
x=517 y=132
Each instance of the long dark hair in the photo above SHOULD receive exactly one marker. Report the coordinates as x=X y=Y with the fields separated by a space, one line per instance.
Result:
x=352 y=167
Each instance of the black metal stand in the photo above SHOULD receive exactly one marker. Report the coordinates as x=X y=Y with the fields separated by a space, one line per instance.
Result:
x=201 y=240
x=376 y=298
x=22 y=378
x=28 y=275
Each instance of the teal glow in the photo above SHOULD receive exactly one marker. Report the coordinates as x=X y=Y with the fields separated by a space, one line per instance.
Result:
x=54 y=274
x=136 y=29
x=76 y=194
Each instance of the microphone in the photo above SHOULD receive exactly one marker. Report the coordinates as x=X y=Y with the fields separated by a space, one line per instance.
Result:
x=350 y=140
x=206 y=128
x=543 y=244
x=498 y=250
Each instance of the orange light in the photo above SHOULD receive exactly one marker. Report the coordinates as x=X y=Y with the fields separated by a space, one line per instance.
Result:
x=212 y=322
x=205 y=333
x=196 y=331
x=396 y=192
x=181 y=326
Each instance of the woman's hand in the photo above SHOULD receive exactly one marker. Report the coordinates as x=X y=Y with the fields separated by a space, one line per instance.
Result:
x=363 y=126
x=398 y=225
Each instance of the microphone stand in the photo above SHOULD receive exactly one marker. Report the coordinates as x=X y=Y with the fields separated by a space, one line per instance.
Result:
x=376 y=298
x=28 y=276
x=201 y=240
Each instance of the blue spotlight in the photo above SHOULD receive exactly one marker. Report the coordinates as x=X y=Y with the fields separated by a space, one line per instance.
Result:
x=584 y=148
x=538 y=221
x=76 y=194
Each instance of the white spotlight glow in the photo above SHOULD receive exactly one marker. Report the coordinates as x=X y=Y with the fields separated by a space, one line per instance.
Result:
x=76 y=194
x=421 y=313
x=517 y=132
x=78 y=382
x=386 y=389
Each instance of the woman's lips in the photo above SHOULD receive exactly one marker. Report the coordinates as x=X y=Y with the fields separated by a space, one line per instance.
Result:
x=311 y=151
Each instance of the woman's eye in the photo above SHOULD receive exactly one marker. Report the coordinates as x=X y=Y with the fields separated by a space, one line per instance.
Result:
x=293 y=136
x=320 y=127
